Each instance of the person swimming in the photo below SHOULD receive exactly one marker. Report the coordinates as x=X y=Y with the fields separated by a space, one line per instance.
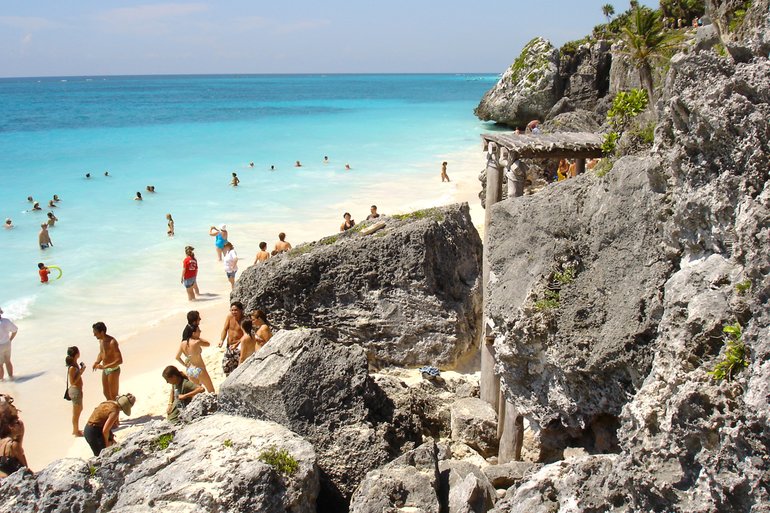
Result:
x=138 y=196
x=150 y=188
x=36 y=206
x=88 y=175
x=29 y=198
x=298 y=164
x=106 y=173
x=56 y=198
x=235 y=181
x=8 y=224
x=347 y=167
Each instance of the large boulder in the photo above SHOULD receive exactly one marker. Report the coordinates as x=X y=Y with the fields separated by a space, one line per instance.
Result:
x=465 y=488
x=321 y=390
x=527 y=90
x=576 y=277
x=474 y=422
x=215 y=464
x=586 y=74
x=408 y=483
x=743 y=26
x=409 y=293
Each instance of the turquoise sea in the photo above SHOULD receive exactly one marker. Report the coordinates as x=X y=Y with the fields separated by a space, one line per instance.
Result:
x=186 y=135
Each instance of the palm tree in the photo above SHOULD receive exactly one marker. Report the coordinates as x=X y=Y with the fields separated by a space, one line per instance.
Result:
x=646 y=43
x=609 y=11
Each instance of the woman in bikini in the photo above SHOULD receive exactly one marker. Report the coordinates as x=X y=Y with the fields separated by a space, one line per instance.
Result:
x=12 y=457
x=75 y=386
x=192 y=348
x=261 y=329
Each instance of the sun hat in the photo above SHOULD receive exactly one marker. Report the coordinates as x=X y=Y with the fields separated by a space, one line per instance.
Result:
x=223 y=227
x=125 y=402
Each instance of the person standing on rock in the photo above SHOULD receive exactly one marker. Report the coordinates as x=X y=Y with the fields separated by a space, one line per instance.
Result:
x=282 y=246
x=263 y=254
x=232 y=332
x=98 y=431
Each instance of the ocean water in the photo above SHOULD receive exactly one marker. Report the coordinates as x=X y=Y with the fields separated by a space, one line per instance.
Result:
x=186 y=135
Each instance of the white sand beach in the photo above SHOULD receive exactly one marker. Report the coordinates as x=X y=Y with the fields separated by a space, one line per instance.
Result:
x=152 y=343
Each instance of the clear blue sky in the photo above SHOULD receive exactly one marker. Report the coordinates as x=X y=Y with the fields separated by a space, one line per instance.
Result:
x=97 y=37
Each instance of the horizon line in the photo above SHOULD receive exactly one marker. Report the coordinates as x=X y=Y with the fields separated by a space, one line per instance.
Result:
x=343 y=73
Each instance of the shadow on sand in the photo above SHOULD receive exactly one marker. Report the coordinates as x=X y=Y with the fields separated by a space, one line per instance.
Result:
x=25 y=377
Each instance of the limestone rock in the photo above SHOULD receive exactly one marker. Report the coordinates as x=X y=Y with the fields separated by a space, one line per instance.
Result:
x=509 y=474
x=321 y=390
x=409 y=293
x=586 y=74
x=210 y=465
x=527 y=90
x=623 y=74
x=474 y=422
x=570 y=356
x=408 y=483
x=465 y=488
x=575 y=121
x=745 y=32
x=200 y=406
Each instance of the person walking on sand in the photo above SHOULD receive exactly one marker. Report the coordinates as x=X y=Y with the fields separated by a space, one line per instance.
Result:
x=260 y=327
x=12 y=457
x=235 y=181
x=109 y=360
x=170 y=231
x=44 y=238
x=190 y=273
x=75 y=386
x=232 y=332
x=8 y=332
x=262 y=255
x=282 y=246
x=192 y=348
x=220 y=237
x=348 y=223
x=231 y=263
x=444 y=176
x=182 y=391
x=98 y=431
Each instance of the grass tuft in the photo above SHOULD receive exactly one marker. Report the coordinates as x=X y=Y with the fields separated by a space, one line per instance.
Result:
x=280 y=460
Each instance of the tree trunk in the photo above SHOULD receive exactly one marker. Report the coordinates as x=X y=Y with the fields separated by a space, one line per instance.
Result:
x=645 y=77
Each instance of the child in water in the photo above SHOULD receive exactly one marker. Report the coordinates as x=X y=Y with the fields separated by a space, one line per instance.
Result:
x=43 y=271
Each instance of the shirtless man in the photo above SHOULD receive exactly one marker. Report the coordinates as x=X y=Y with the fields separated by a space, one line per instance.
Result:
x=282 y=246
x=263 y=254
x=233 y=333
x=43 y=238
x=109 y=361
x=192 y=348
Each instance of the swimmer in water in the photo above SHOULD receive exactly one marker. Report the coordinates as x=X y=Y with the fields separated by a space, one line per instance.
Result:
x=272 y=168
x=251 y=164
x=43 y=271
x=170 y=220
x=29 y=198
x=51 y=204
x=347 y=167
x=106 y=173
x=138 y=196
x=8 y=224
x=51 y=219
x=56 y=198
x=326 y=159
x=43 y=238
x=298 y=164
x=36 y=206
x=88 y=175
x=150 y=188
x=235 y=181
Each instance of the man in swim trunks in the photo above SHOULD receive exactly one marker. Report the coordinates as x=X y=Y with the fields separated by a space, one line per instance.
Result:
x=8 y=331
x=109 y=361
x=232 y=332
x=43 y=238
x=282 y=246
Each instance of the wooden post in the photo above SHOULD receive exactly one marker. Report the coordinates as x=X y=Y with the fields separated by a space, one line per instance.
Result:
x=580 y=167
x=512 y=437
x=489 y=383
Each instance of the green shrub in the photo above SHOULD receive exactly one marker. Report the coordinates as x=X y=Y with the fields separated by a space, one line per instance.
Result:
x=625 y=106
x=743 y=287
x=603 y=167
x=228 y=443
x=646 y=133
x=735 y=354
x=610 y=142
x=549 y=302
x=163 y=441
x=736 y=20
x=571 y=47
x=92 y=470
x=328 y=241
x=280 y=460
x=565 y=277
x=432 y=213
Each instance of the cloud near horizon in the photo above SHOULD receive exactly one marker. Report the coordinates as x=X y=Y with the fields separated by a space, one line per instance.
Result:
x=28 y=23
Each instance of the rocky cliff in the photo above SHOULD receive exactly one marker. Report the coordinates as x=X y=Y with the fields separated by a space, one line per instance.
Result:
x=409 y=293
x=610 y=325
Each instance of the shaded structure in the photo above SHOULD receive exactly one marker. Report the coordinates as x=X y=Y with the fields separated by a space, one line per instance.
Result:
x=504 y=152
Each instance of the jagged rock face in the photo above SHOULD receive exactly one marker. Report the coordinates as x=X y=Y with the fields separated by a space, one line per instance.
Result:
x=409 y=293
x=586 y=74
x=465 y=488
x=687 y=441
x=569 y=366
x=210 y=465
x=745 y=35
x=408 y=483
x=527 y=90
x=623 y=74
x=321 y=390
